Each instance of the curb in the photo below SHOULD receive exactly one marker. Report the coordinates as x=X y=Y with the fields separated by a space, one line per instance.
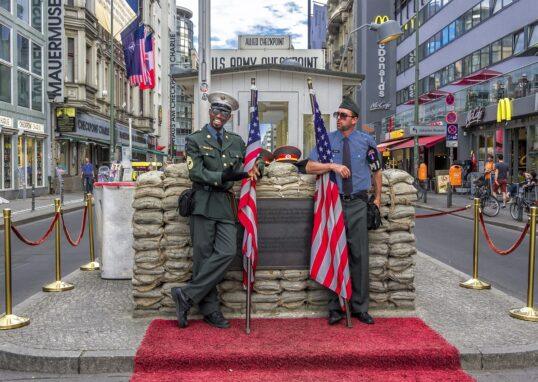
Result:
x=491 y=222
x=42 y=216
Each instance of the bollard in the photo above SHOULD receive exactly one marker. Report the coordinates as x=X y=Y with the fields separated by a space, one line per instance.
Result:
x=528 y=313
x=58 y=285
x=9 y=320
x=474 y=282
x=33 y=197
x=92 y=265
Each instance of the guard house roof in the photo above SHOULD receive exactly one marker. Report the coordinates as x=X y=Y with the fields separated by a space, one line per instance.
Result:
x=348 y=78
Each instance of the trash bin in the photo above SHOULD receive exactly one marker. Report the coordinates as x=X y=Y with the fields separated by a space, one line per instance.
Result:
x=114 y=214
x=455 y=174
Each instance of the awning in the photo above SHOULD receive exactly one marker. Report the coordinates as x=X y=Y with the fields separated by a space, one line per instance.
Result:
x=422 y=141
x=387 y=145
x=481 y=75
x=431 y=96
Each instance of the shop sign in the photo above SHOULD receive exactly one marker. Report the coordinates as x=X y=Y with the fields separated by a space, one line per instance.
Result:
x=92 y=126
x=452 y=135
x=425 y=130
x=380 y=105
x=232 y=58
x=65 y=119
x=264 y=42
x=31 y=127
x=55 y=49
x=6 y=122
x=474 y=116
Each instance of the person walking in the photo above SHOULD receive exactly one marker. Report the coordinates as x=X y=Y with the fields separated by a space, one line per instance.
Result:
x=215 y=160
x=489 y=170
x=87 y=174
x=501 y=179
x=356 y=163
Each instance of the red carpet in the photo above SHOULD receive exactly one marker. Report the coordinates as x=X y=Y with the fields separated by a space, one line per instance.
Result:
x=394 y=349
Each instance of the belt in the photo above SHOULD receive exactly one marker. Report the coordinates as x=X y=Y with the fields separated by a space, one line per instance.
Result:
x=198 y=186
x=357 y=195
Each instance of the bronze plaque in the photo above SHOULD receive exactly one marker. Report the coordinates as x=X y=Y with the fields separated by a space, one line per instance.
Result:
x=284 y=234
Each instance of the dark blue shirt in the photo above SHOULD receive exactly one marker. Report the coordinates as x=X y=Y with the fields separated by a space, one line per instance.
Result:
x=87 y=169
x=359 y=143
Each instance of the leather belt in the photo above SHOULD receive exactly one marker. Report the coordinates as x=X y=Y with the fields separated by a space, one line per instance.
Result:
x=357 y=195
x=205 y=187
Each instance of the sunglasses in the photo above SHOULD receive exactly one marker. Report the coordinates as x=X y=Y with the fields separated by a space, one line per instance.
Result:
x=340 y=115
x=217 y=110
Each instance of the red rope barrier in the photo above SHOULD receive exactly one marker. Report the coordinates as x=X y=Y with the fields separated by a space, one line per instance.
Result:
x=82 y=229
x=440 y=213
x=40 y=241
x=492 y=246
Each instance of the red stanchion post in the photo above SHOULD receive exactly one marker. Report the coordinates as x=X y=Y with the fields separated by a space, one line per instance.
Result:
x=92 y=265
x=58 y=285
x=474 y=282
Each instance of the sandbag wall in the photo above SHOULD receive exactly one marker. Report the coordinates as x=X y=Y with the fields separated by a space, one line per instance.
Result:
x=163 y=250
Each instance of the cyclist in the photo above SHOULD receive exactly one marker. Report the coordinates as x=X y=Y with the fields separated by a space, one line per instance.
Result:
x=527 y=185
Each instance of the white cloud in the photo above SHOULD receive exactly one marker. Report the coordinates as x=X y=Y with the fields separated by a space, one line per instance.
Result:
x=233 y=17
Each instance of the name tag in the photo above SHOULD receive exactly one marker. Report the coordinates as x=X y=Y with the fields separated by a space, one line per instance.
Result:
x=336 y=151
x=207 y=147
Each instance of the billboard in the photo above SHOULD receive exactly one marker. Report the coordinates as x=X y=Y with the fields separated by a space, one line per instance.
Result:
x=124 y=13
x=55 y=50
x=230 y=58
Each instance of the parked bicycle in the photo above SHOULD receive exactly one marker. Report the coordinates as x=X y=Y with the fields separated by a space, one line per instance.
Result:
x=421 y=191
x=520 y=204
x=488 y=203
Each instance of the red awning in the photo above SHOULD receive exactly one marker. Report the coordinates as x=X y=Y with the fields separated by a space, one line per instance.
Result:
x=481 y=75
x=422 y=141
x=431 y=96
x=388 y=144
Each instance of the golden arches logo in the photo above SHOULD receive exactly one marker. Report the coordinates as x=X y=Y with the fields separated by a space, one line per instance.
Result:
x=380 y=19
x=504 y=110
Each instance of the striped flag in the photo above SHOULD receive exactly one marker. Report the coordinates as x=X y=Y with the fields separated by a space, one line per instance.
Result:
x=140 y=73
x=247 y=210
x=329 y=253
x=149 y=63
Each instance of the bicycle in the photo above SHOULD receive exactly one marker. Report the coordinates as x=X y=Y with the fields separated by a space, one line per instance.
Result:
x=520 y=204
x=488 y=203
x=421 y=192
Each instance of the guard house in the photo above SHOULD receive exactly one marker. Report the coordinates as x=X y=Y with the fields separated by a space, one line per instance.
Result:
x=281 y=74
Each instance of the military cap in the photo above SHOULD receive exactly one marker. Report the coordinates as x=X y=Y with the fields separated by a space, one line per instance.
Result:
x=347 y=103
x=224 y=100
x=287 y=154
x=267 y=156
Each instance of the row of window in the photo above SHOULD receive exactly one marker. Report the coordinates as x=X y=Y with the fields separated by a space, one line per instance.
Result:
x=489 y=55
x=429 y=9
x=463 y=24
x=27 y=71
x=29 y=11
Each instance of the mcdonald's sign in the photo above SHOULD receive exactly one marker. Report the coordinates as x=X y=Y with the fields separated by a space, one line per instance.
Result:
x=380 y=19
x=504 y=110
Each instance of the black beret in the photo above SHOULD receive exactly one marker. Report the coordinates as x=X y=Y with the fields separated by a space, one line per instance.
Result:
x=347 y=103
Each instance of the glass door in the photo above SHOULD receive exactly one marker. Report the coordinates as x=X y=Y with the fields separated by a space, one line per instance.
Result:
x=7 y=163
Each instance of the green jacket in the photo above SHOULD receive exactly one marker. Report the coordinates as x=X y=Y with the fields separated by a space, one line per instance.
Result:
x=206 y=161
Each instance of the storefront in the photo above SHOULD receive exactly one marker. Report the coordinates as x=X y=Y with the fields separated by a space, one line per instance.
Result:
x=23 y=152
x=83 y=135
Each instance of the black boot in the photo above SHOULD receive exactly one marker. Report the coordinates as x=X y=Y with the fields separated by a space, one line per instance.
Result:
x=335 y=316
x=216 y=319
x=183 y=305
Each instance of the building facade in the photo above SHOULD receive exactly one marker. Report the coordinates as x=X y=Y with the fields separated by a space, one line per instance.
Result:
x=24 y=137
x=317 y=26
x=340 y=16
x=480 y=51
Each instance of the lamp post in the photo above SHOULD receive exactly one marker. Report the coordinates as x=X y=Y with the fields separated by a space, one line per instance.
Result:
x=112 y=153
x=415 y=91
x=386 y=32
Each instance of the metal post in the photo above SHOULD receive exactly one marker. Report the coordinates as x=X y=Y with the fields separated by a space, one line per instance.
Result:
x=58 y=285
x=416 y=91
x=449 y=189
x=33 y=197
x=474 y=282
x=528 y=313
x=249 y=294
x=92 y=265
x=112 y=154
x=348 y=314
x=9 y=320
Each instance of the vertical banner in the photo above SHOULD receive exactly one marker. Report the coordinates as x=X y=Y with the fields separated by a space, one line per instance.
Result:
x=173 y=64
x=55 y=50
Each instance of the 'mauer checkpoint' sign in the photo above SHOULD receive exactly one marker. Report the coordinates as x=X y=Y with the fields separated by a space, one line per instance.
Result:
x=425 y=130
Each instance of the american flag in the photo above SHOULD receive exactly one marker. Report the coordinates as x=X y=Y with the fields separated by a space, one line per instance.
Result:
x=329 y=252
x=140 y=72
x=247 y=210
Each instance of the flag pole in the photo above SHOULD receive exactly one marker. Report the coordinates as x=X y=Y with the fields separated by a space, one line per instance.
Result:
x=249 y=259
x=346 y=303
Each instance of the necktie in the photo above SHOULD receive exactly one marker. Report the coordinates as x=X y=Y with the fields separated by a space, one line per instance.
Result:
x=219 y=139
x=347 y=184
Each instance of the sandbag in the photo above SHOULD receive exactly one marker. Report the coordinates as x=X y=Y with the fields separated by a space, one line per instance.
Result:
x=147 y=230
x=142 y=192
x=173 y=216
x=402 y=188
x=177 y=253
x=267 y=286
x=178 y=265
x=395 y=285
x=378 y=249
x=317 y=297
x=272 y=274
x=401 y=237
x=176 y=182
x=179 y=170
x=290 y=297
x=376 y=236
x=261 y=297
x=404 y=224
x=174 y=191
x=279 y=169
x=150 y=178
x=170 y=202
x=293 y=286
x=175 y=229
x=235 y=296
x=393 y=176
x=236 y=275
x=313 y=285
x=405 y=276
x=175 y=240
x=400 y=211
x=147 y=203
x=230 y=286
x=148 y=217
x=153 y=256
x=402 y=250
x=145 y=279
x=295 y=274
x=377 y=261
x=400 y=264
x=148 y=267
x=146 y=244
x=377 y=286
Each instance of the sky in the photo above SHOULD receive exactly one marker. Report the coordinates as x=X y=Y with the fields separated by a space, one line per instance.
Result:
x=230 y=18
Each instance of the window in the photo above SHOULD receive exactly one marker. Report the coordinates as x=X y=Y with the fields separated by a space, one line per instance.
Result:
x=6 y=4
x=484 y=10
x=476 y=15
x=468 y=20
x=533 y=37
x=23 y=89
x=22 y=10
x=497 y=6
x=507 y=46
x=459 y=26
x=496 y=51
x=5 y=83
x=467 y=65
x=70 y=59
x=36 y=59
x=37 y=11
x=484 y=57
x=519 y=42
x=37 y=94
x=5 y=43
x=475 y=61
x=451 y=31
x=458 y=69
x=23 y=52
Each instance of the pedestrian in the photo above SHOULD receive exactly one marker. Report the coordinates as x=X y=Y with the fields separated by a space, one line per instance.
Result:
x=354 y=179
x=501 y=179
x=87 y=174
x=214 y=159
x=489 y=170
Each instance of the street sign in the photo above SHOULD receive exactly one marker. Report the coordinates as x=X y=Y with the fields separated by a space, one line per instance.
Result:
x=425 y=130
x=451 y=117
x=452 y=135
x=450 y=99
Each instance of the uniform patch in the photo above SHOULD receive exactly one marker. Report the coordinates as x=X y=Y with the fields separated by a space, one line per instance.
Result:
x=190 y=163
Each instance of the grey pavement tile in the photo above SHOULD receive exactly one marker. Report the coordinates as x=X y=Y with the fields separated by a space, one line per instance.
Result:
x=516 y=375
x=21 y=376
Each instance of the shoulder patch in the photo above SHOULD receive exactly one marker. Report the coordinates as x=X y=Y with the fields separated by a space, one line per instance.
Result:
x=190 y=164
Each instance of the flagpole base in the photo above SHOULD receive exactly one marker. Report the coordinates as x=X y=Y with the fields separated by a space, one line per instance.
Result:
x=91 y=266
x=11 y=321
x=475 y=284
x=57 y=286
x=526 y=314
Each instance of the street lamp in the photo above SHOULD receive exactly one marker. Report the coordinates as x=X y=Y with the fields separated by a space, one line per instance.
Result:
x=386 y=32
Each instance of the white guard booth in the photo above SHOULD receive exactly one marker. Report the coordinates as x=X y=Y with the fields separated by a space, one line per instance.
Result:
x=114 y=214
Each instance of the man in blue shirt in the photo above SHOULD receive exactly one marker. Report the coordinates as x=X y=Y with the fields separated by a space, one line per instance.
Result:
x=354 y=178
x=87 y=175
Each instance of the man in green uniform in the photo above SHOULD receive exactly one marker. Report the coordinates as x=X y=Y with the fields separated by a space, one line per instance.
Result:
x=215 y=161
